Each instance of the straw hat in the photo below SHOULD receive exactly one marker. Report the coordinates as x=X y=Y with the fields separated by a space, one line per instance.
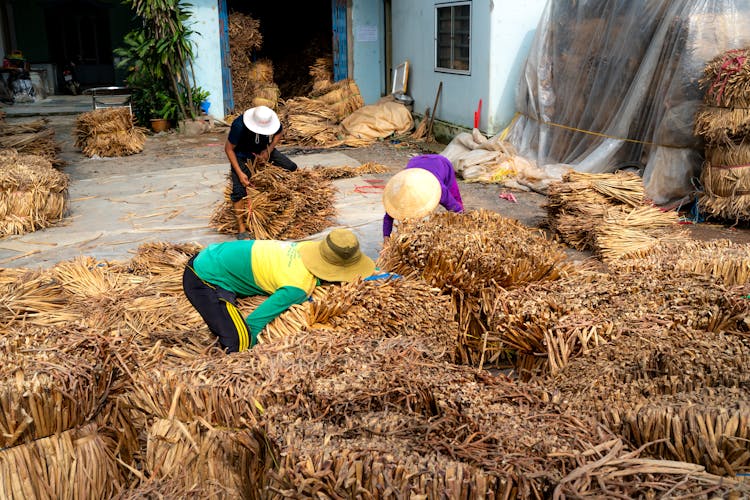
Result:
x=337 y=257
x=411 y=194
x=261 y=120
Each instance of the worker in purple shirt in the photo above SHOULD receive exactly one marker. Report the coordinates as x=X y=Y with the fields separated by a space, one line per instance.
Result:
x=426 y=182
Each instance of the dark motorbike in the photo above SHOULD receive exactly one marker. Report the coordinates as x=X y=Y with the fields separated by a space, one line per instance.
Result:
x=70 y=80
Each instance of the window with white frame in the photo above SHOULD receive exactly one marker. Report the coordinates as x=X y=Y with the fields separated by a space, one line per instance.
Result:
x=452 y=37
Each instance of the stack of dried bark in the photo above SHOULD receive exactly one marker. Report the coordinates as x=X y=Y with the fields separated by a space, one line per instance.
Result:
x=724 y=123
x=244 y=38
x=33 y=194
x=472 y=257
x=608 y=214
x=32 y=137
x=108 y=132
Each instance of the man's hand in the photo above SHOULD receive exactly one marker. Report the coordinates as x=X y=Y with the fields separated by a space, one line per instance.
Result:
x=244 y=179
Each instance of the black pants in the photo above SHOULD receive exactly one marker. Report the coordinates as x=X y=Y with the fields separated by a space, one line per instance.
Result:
x=276 y=158
x=218 y=308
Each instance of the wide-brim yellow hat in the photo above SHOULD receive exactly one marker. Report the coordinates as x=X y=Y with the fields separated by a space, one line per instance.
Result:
x=411 y=194
x=337 y=257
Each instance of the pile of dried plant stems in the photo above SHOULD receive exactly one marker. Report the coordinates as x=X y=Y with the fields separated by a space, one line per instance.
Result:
x=244 y=38
x=472 y=257
x=322 y=73
x=33 y=194
x=315 y=120
x=108 y=132
x=607 y=214
x=32 y=137
x=723 y=121
x=358 y=392
x=287 y=205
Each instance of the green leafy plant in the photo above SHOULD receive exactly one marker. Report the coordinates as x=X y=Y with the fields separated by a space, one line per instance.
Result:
x=159 y=59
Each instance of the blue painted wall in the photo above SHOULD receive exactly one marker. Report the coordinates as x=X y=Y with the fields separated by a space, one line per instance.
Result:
x=501 y=34
x=367 y=48
x=207 y=50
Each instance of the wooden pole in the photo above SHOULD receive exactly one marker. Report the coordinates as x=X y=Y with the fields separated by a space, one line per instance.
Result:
x=434 y=110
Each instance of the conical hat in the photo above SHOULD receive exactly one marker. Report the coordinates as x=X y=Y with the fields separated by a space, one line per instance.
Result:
x=411 y=194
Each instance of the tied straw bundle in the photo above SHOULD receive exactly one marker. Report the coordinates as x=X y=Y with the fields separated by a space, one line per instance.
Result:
x=108 y=132
x=33 y=194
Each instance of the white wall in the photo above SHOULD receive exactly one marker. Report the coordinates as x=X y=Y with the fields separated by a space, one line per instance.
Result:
x=367 y=45
x=501 y=34
x=513 y=26
x=207 y=50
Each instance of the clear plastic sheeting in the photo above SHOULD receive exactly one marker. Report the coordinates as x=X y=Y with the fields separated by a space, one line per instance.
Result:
x=613 y=84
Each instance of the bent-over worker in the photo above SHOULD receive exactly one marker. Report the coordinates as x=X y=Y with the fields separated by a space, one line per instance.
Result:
x=253 y=135
x=287 y=272
x=426 y=182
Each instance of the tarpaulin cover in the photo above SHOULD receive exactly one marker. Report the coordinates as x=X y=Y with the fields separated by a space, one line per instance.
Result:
x=613 y=84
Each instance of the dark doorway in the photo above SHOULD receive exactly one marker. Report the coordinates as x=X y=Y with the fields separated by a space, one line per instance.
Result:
x=295 y=33
x=79 y=32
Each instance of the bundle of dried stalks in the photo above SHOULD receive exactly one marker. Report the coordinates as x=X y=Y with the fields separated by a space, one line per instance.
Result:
x=310 y=122
x=155 y=488
x=342 y=97
x=346 y=171
x=681 y=390
x=53 y=381
x=725 y=179
x=730 y=208
x=628 y=232
x=726 y=79
x=412 y=420
x=33 y=194
x=285 y=205
x=31 y=298
x=610 y=471
x=573 y=315
x=108 y=132
x=720 y=260
x=470 y=256
x=195 y=453
x=161 y=258
x=41 y=143
x=322 y=72
x=24 y=127
x=721 y=126
x=79 y=462
x=244 y=38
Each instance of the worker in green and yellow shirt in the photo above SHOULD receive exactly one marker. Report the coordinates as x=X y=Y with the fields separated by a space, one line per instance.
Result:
x=287 y=272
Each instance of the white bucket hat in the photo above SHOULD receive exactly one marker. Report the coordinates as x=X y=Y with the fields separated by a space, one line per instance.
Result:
x=261 y=120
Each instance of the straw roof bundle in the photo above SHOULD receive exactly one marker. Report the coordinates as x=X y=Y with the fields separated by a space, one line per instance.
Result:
x=285 y=205
x=33 y=195
x=311 y=122
x=51 y=382
x=108 y=132
x=343 y=97
x=322 y=72
x=79 y=462
x=586 y=309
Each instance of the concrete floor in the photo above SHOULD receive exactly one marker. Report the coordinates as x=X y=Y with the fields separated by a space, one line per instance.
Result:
x=166 y=193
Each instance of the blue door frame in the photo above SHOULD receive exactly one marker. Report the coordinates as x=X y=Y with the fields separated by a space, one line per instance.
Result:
x=226 y=72
x=340 y=45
